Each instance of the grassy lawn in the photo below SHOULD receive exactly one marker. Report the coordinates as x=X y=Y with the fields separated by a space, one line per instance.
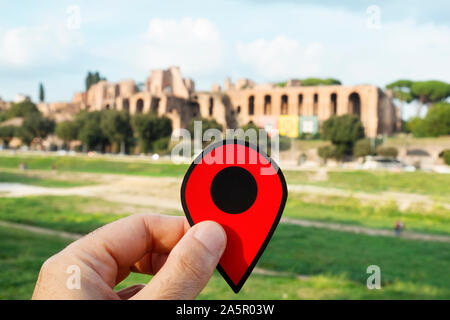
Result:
x=312 y=251
x=411 y=271
x=26 y=178
x=365 y=181
x=59 y=213
x=352 y=211
x=379 y=181
x=84 y=164
x=68 y=213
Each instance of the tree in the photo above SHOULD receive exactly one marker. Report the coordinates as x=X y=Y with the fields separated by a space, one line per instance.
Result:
x=320 y=82
x=67 y=131
x=35 y=126
x=41 y=92
x=343 y=131
x=21 y=109
x=7 y=133
x=149 y=128
x=116 y=126
x=206 y=124
x=429 y=92
x=436 y=122
x=93 y=78
x=90 y=133
x=401 y=90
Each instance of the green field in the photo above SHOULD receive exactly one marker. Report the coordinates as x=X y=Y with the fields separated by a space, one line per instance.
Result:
x=331 y=258
x=26 y=178
x=332 y=263
x=92 y=165
x=379 y=181
x=352 y=212
x=363 y=181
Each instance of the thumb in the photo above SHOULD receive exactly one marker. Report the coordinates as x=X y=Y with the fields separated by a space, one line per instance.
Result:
x=189 y=265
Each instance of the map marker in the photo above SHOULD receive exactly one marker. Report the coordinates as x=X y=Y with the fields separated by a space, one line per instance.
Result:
x=238 y=186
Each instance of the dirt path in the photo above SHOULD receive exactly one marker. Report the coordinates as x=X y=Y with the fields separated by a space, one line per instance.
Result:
x=163 y=193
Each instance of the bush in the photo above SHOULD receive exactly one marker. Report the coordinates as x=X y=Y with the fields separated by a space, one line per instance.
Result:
x=327 y=152
x=446 y=157
x=436 y=123
x=387 y=152
x=161 y=145
x=362 y=148
x=285 y=144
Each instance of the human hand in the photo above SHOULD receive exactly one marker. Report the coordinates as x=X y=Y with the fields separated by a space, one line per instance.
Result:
x=181 y=258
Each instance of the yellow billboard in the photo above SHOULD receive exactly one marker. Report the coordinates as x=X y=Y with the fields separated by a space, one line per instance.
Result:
x=288 y=126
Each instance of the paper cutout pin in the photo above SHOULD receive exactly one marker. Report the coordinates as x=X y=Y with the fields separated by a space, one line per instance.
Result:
x=240 y=187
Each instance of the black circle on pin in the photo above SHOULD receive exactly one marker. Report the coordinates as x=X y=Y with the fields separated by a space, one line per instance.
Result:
x=234 y=190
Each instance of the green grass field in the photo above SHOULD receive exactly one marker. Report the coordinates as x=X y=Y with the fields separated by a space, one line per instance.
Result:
x=26 y=178
x=378 y=181
x=333 y=262
x=351 y=211
x=364 y=181
x=408 y=270
x=75 y=214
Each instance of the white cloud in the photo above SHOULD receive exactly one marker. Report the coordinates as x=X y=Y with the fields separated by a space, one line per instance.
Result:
x=193 y=44
x=25 y=47
x=345 y=48
x=281 y=57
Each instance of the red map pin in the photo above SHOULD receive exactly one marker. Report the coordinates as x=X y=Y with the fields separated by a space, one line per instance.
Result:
x=238 y=186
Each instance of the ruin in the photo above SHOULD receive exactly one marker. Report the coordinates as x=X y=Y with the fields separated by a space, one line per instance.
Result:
x=293 y=109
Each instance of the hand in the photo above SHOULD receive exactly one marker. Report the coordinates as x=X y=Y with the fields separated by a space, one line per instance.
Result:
x=182 y=259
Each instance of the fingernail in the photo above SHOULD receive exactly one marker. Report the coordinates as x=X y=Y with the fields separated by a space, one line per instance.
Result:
x=212 y=236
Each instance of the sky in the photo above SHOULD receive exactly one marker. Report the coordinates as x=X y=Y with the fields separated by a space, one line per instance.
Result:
x=358 y=42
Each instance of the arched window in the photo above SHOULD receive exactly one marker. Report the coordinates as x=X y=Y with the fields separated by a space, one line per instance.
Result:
x=117 y=90
x=251 y=105
x=300 y=104
x=333 y=100
x=238 y=109
x=284 y=104
x=126 y=105
x=154 y=105
x=107 y=107
x=267 y=104
x=354 y=104
x=140 y=106
x=316 y=104
x=211 y=106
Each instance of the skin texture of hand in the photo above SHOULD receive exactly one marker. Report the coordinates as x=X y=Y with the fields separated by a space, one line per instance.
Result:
x=181 y=258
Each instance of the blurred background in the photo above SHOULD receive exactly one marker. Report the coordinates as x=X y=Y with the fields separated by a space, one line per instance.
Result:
x=92 y=97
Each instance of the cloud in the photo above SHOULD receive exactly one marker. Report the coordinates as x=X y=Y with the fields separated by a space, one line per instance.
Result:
x=345 y=48
x=193 y=44
x=280 y=57
x=29 y=47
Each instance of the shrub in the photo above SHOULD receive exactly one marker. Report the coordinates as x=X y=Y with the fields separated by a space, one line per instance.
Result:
x=327 y=152
x=387 y=152
x=285 y=143
x=447 y=157
x=362 y=148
